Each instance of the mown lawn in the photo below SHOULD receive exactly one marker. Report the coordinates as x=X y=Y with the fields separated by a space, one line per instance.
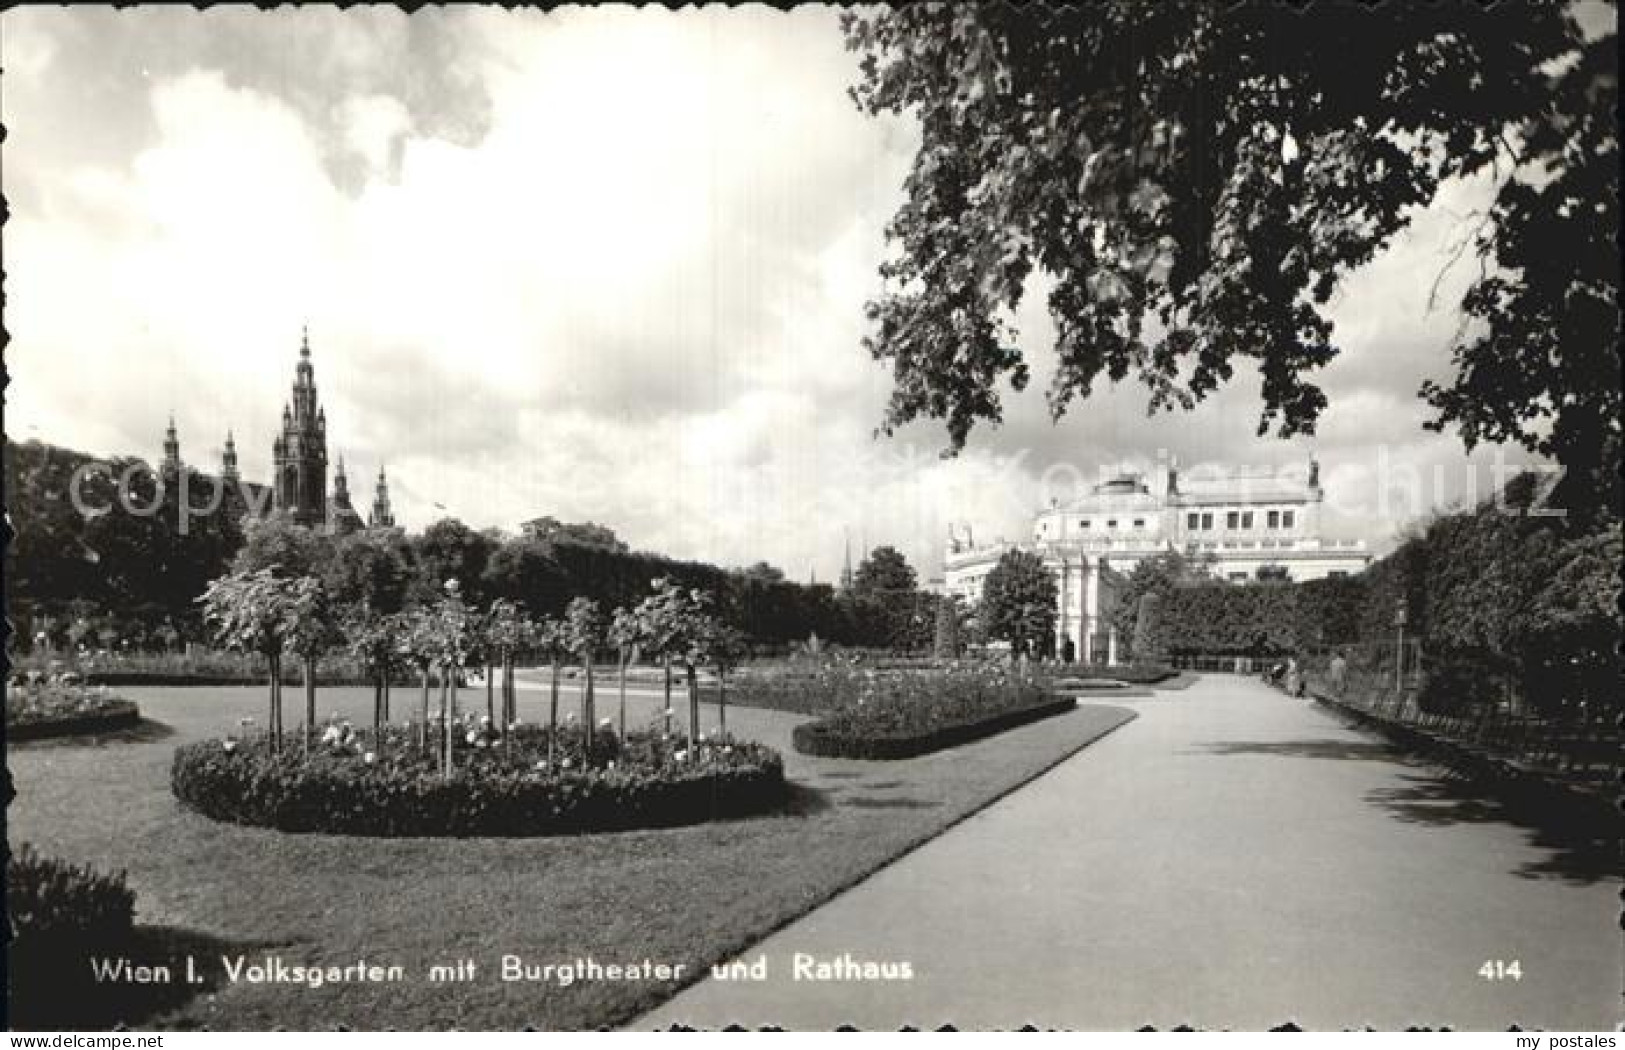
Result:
x=690 y=896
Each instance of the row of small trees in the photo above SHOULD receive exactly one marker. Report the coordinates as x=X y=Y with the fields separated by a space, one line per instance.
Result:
x=279 y=616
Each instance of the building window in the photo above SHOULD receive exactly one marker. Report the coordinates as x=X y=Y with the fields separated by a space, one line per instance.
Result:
x=1084 y=525
x=1246 y=519
x=1232 y=520
x=1139 y=523
x=1287 y=517
x=1111 y=523
x=1192 y=521
x=1238 y=577
x=1337 y=574
x=1275 y=519
x=1207 y=521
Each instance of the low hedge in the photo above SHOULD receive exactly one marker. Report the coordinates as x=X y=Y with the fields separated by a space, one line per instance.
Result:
x=37 y=708
x=163 y=678
x=500 y=789
x=116 y=715
x=1135 y=674
x=50 y=901
x=826 y=738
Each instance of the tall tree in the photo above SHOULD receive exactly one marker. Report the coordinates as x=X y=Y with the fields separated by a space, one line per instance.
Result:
x=450 y=550
x=371 y=567
x=278 y=543
x=254 y=612
x=626 y=635
x=1197 y=179
x=585 y=634
x=1157 y=575
x=1018 y=602
x=582 y=534
x=884 y=571
x=313 y=630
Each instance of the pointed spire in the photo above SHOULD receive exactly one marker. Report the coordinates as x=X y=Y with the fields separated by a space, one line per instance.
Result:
x=304 y=340
x=172 y=447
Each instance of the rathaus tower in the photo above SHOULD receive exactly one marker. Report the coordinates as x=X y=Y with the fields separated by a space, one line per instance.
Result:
x=300 y=451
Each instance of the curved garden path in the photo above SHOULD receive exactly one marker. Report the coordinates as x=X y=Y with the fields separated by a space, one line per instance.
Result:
x=1232 y=858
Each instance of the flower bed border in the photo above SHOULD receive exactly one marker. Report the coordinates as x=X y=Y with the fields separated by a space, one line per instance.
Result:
x=118 y=714
x=815 y=738
x=512 y=805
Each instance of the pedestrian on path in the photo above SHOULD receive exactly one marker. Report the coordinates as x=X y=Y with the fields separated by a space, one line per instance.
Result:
x=1338 y=674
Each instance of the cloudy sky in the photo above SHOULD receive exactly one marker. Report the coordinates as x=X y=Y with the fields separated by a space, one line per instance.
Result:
x=597 y=264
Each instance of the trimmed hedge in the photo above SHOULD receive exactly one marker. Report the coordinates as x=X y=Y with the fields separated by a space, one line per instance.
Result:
x=496 y=791
x=1135 y=674
x=117 y=715
x=50 y=901
x=171 y=678
x=825 y=739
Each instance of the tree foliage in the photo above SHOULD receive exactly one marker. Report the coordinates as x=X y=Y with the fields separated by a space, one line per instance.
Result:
x=884 y=570
x=1018 y=601
x=1197 y=179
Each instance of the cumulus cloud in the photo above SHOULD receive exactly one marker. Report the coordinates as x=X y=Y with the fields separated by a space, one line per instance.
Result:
x=602 y=264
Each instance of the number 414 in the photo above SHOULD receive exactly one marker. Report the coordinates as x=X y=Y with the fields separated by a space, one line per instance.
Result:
x=1500 y=970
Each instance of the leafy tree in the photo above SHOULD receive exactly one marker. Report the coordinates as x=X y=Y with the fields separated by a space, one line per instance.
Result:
x=1157 y=574
x=1147 y=643
x=626 y=635
x=884 y=571
x=763 y=572
x=507 y=630
x=375 y=641
x=1018 y=601
x=1197 y=179
x=373 y=568
x=450 y=550
x=661 y=625
x=279 y=543
x=725 y=649
x=551 y=639
x=254 y=612
x=585 y=634
x=419 y=644
x=946 y=643
x=313 y=630
x=522 y=570
x=451 y=637
x=582 y=534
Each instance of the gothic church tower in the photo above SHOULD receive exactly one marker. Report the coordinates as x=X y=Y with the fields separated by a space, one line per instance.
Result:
x=300 y=451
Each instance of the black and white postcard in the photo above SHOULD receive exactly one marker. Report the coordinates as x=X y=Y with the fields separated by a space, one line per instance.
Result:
x=975 y=516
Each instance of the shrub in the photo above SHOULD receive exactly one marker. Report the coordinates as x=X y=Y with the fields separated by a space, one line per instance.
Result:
x=51 y=902
x=878 y=715
x=830 y=740
x=1136 y=674
x=39 y=707
x=497 y=788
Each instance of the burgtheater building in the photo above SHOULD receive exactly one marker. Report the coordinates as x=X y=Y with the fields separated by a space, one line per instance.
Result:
x=1244 y=525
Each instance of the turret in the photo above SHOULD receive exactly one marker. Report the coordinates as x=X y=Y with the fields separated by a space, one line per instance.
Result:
x=172 y=448
x=228 y=459
x=382 y=517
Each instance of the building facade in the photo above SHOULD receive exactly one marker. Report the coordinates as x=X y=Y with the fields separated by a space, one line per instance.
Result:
x=1245 y=526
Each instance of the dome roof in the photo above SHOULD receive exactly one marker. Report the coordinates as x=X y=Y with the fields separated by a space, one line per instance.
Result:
x=1123 y=484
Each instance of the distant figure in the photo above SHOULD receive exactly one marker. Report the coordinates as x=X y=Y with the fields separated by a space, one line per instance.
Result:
x=1337 y=673
x=1294 y=679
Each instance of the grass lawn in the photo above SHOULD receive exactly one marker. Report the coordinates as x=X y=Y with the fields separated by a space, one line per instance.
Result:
x=689 y=896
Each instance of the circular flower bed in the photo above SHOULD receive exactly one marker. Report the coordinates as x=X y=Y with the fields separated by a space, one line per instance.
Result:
x=356 y=783
x=39 y=707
